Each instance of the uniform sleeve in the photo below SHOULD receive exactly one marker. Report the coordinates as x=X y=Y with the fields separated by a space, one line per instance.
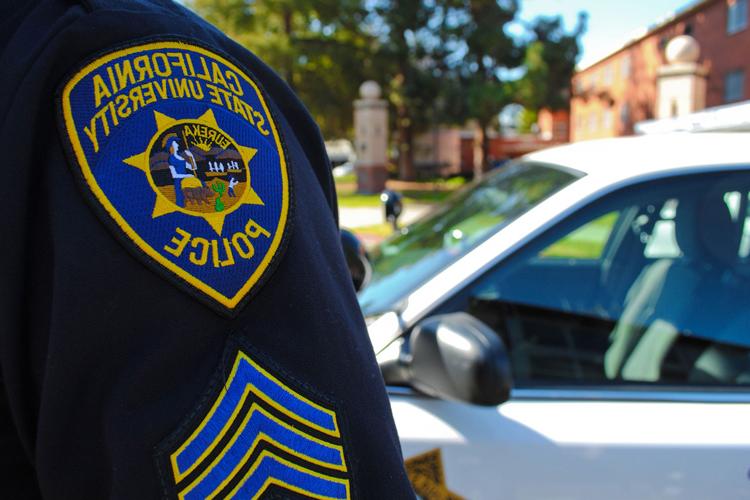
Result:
x=154 y=349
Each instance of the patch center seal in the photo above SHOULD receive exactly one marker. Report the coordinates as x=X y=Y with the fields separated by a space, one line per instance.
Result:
x=185 y=163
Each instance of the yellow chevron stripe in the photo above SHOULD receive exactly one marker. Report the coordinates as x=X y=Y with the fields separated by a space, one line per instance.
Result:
x=241 y=356
x=263 y=437
x=274 y=481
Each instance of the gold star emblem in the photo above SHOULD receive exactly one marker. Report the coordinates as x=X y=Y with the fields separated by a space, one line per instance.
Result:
x=163 y=205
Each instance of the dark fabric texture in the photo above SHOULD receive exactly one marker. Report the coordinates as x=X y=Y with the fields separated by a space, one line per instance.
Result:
x=101 y=359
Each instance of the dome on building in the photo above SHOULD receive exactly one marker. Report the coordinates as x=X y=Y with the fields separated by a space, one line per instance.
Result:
x=370 y=90
x=683 y=49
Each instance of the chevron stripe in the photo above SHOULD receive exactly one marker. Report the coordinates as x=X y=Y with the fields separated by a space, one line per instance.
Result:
x=247 y=377
x=269 y=469
x=260 y=426
x=251 y=439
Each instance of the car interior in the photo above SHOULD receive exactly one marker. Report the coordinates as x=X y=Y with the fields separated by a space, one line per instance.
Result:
x=646 y=286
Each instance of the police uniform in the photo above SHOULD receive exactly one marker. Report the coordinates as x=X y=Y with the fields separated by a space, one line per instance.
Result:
x=159 y=335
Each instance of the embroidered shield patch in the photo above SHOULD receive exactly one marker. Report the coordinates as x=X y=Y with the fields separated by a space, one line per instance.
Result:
x=179 y=148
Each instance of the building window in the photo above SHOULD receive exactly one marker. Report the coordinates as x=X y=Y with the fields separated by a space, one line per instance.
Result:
x=594 y=80
x=560 y=130
x=607 y=125
x=625 y=114
x=663 y=41
x=579 y=88
x=734 y=83
x=625 y=66
x=593 y=122
x=736 y=15
x=607 y=75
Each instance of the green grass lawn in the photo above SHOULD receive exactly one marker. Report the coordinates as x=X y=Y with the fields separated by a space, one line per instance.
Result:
x=346 y=179
x=382 y=230
x=586 y=242
x=355 y=200
x=349 y=198
x=435 y=191
x=427 y=196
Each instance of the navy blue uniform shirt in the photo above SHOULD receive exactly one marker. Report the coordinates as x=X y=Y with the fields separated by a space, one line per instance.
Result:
x=176 y=318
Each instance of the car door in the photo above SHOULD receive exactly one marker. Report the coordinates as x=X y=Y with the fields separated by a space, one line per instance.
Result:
x=632 y=380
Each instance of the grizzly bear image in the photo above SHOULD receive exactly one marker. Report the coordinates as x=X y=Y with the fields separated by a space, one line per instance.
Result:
x=198 y=195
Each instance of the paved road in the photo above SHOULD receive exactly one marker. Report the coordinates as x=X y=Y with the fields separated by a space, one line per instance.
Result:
x=350 y=217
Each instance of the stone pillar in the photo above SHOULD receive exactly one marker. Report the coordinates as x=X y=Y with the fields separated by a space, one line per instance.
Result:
x=371 y=144
x=681 y=83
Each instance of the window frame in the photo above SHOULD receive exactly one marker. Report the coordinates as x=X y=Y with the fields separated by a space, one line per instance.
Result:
x=740 y=73
x=626 y=65
x=736 y=22
x=625 y=118
x=625 y=390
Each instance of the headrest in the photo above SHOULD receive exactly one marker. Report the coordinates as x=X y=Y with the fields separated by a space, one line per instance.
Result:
x=685 y=230
x=705 y=230
x=719 y=234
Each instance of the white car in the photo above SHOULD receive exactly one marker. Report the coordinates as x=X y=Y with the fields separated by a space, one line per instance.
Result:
x=346 y=168
x=576 y=326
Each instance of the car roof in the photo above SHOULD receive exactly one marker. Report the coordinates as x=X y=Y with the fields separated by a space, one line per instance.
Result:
x=621 y=158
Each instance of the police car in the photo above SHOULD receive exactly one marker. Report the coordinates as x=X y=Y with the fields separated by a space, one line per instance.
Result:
x=576 y=326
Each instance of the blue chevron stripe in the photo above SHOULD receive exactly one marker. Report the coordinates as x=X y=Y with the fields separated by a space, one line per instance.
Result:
x=272 y=470
x=224 y=457
x=247 y=375
x=260 y=426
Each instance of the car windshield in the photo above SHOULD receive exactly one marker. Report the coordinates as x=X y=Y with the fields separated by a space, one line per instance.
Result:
x=406 y=260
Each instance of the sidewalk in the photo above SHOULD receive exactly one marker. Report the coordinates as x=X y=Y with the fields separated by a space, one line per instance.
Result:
x=354 y=217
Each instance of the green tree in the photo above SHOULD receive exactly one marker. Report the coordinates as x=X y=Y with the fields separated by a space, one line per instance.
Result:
x=409 y=58
x=318 y=46
x=440 y=61
x=550 y=62
x=487 y=52
x=527 y=120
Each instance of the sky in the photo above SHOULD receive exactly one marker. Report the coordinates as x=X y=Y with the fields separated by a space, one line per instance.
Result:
x=611 y=23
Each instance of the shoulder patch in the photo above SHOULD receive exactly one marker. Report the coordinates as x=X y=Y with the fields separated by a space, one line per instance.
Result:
x=179 y=151
x=256 y=436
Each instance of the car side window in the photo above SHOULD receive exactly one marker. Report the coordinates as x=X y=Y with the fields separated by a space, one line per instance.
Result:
x=645 y=286
x=587 y=242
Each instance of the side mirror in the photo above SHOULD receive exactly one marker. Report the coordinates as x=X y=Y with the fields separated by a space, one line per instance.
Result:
x=456 y=356
x=357 y=259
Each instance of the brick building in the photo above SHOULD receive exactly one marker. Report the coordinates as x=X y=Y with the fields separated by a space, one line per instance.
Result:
x=448 y=151
x=615 y=93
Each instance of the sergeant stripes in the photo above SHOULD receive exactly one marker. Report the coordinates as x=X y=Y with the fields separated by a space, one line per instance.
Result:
x=258 y=433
